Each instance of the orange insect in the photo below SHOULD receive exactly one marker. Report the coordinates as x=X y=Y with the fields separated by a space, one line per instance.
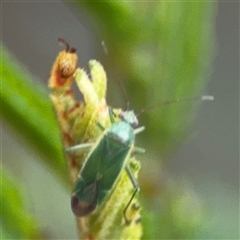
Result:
x=64 y=67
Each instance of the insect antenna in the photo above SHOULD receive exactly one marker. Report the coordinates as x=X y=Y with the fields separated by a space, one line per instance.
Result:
x=124 y=94
x=104 y=47
x=120 y=84
x=187 y=99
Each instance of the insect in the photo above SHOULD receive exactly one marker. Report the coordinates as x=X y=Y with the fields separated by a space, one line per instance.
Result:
x=64 y=67
x=106 y=160
x=104 y=163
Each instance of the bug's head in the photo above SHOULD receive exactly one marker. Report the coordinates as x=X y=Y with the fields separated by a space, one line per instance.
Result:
x=129 y=117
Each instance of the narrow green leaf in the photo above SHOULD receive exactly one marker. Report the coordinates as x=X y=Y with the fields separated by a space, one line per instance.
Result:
x=17 y=222
x=27 y=108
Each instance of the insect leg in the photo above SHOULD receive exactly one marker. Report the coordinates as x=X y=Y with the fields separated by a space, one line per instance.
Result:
x=138 y=150
x=111 y=114
x=136 y=189
x=138 y=130
x=100 y=126
x=79 y=147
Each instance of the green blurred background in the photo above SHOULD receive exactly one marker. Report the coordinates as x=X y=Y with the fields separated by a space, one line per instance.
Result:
x=160 y=51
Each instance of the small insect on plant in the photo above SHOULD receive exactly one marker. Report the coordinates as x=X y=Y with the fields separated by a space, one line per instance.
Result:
x=104 y=163
x=106 y=176
x=106 y=160
x=64 y=67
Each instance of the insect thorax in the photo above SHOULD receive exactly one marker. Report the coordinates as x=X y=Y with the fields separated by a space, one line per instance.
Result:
x=122 y=133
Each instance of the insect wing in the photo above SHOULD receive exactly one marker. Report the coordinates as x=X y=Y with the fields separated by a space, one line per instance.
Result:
x=91 y=168
x=84 y=198
x=112 y=164
x=117 y=143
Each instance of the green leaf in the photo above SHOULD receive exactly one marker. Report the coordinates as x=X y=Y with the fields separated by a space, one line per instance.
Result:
x=17 y=222
x=27 y=108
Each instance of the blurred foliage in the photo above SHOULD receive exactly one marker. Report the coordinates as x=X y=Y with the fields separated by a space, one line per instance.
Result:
x=17 y=221
x=163 y=50
x=27 y=108
x=177 y=213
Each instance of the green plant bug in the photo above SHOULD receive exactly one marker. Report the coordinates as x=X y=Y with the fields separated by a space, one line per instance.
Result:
x=104 y=163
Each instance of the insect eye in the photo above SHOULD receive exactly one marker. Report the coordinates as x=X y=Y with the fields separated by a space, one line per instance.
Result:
x=135 y=123
x=122 y=115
